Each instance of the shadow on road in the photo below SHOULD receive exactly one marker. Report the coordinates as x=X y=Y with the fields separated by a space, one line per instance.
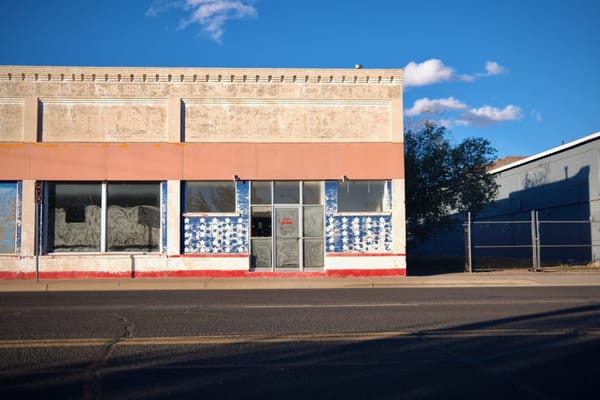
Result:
x=537 y=356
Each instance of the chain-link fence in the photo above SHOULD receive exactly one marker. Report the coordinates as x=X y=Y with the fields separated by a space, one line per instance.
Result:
x=530 y=241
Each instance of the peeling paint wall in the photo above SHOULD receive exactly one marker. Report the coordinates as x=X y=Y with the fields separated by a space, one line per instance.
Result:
x=361 y=233
x=220 y=234
x=279 y=120
x=103 y=120
x=11 y=119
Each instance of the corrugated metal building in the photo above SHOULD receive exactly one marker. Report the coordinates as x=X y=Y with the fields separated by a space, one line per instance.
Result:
x=560 y=186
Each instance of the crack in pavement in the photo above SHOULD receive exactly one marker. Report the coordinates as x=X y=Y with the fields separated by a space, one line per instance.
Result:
x=92 y=388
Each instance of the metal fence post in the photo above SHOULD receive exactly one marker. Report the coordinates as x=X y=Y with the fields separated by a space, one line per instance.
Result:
x=469 y=247
x=538 y=241
x=535 y=241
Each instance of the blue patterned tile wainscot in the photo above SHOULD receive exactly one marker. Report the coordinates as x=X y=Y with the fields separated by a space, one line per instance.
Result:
x=220 y=234
x=348 y=233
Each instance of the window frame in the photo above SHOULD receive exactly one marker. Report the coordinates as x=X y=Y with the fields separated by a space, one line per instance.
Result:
x=103 y=219
x=184 y=201
x=386 y=200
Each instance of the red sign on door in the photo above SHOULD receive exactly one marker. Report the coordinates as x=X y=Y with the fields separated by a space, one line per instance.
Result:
x=286 y=221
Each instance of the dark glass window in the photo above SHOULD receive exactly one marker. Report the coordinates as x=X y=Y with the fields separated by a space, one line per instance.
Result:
x=312 y=192
x=361 y=196
x=287 y=192
x=210 y=197
x=261 y=192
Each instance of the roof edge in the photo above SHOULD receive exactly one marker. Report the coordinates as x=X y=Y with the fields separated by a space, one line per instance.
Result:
x=546 y=153
x=185 y=74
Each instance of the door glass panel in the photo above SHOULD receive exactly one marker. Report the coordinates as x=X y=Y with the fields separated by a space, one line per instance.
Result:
x=288 y=253
x=313 y=253
x=261 y=192
x=313 y=221
x=312 y=192
x=261 y=252
x=261 y=242
x=287 y=222
x=287 y=192
x=261 y=221
x=288 y=237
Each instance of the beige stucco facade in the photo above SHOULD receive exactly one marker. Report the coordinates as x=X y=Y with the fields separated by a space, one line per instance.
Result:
x=170 y=125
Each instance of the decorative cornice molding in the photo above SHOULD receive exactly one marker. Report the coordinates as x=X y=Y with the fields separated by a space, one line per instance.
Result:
x=105 y=101
x=286 y=102
x=201 y=75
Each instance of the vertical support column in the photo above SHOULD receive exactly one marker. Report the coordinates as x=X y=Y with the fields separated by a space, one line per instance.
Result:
x=397 y=120
x=31 y=120
x=173 y=217
x=398 y=191
x=399 y=219
x=174 y=120
x=28 y=228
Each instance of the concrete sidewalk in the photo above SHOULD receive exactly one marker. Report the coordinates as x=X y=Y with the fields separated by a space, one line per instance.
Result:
x=478 y=279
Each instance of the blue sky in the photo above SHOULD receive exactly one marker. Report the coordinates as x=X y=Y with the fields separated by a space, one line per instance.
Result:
x=522 y=73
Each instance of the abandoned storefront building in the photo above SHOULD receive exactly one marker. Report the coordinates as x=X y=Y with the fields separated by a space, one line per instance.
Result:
x=150 y=172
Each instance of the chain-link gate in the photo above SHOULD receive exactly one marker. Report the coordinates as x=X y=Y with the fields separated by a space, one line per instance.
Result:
x=562 y=241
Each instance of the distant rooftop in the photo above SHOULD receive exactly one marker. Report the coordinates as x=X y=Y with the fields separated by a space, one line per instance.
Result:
x=497 y=167
x=505 y=161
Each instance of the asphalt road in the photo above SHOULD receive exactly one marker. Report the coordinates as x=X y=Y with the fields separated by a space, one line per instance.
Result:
x=494 y=343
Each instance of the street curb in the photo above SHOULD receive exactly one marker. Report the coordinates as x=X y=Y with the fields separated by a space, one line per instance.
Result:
x=458 y=280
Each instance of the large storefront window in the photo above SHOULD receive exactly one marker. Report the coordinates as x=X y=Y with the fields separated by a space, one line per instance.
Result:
x=8 y=216
x=97 y=217
x=362 y=196
x=74 y=217
x=133 y=220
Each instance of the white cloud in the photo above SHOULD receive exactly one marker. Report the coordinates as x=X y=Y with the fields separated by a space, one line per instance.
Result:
x=427 y=73
x=487 y=115
x=493 y=68
x=537 y=115
x=433 y=106
x=435 y=71
x=211 y=15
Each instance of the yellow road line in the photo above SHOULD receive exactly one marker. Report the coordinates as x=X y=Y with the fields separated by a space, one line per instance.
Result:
x=266 y=339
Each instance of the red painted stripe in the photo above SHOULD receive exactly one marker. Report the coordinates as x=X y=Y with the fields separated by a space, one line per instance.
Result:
x=8 y=275
x=365 y=255
x=337 y=273
x=340 y=273
x=85 y=275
